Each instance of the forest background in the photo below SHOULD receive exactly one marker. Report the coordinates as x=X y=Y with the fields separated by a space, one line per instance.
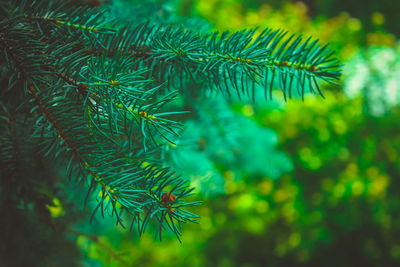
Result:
x=318 y=180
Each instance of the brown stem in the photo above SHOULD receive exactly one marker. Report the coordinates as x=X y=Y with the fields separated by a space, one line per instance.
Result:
x=51 y=119
x=34 y=92
x=83 y=88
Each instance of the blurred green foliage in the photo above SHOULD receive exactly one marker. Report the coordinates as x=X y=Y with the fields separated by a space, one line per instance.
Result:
x=221 y=140
x=339 y=206
x=373 y=73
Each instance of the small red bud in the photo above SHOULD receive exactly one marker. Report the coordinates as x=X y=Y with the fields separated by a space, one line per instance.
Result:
x=168 y=197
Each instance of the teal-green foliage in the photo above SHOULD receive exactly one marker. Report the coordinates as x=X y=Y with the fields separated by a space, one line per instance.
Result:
x=101 y=95
x=339 y=205
x=221 y=139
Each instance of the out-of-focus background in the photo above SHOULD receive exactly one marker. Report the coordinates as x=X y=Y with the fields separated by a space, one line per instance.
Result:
x=319 y=182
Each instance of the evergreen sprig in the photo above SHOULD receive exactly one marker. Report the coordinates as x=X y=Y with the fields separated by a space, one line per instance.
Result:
x=94 y=94
x=236 y=61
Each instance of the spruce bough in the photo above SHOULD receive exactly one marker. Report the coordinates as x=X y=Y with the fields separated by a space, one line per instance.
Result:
x=99 y=96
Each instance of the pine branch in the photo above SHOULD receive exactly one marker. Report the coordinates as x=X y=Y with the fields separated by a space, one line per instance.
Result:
x=244 y=56
x=240 y=60
x=98 y=89
x=159 y=123
x=123 y=187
